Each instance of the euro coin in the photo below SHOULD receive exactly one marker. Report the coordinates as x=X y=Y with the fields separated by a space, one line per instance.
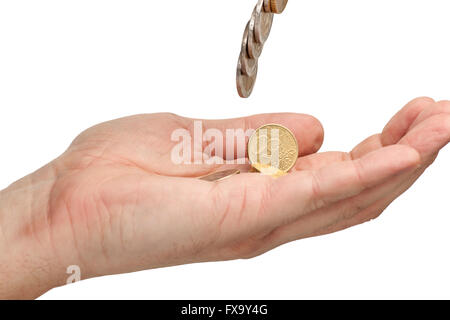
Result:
x=273 y=145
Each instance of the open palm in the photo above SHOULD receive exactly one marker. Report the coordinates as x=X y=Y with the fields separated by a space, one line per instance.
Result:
x=117 y=203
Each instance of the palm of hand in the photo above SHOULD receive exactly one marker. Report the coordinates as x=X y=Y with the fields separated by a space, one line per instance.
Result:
x=119 y=204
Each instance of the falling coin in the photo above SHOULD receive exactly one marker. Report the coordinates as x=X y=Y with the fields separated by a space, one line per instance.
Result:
x=253 y=47
x=248 y=65
x=256 y=33
x=245 y=83
x=267 y=6
x=278 y=6
x=273 y=145
x=263 y=23
x=220 y=175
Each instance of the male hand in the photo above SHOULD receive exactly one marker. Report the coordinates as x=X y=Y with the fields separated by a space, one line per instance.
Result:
x=114 y=202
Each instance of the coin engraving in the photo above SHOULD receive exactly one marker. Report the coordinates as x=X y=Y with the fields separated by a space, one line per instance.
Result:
x=273 y=141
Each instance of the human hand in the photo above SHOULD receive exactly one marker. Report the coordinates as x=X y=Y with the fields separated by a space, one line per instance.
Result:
x=114 y=201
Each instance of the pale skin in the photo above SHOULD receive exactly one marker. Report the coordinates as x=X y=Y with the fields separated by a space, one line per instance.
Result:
x=114 y=202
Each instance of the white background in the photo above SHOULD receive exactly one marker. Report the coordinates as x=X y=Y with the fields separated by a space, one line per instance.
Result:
x=67 y=65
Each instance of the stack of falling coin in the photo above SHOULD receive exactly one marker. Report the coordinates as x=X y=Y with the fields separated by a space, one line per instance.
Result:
x=255 y=35
x=272 y=150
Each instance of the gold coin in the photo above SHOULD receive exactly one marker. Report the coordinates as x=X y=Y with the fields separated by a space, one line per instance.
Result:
x=269 y=170
x=220 y=175
x=273 y=145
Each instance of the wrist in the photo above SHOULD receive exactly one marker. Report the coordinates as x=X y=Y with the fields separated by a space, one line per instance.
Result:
x=27 y=263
